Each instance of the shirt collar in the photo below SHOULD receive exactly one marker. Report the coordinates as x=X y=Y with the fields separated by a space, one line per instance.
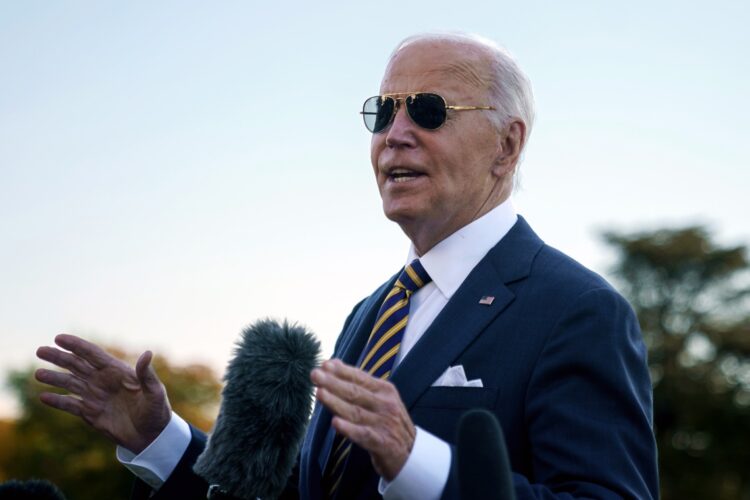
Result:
x=449 y=262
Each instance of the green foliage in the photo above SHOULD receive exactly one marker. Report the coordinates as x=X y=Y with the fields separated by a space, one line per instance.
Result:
x=50 y=444
x=691 y=297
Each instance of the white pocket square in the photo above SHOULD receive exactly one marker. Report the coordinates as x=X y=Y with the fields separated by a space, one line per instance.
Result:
x=455 y=376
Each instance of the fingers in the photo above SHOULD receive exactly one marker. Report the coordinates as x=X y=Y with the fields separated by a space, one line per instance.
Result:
x=146 y=374
x=353 y=375
x=364 y=435
x=92 y=353
x=65 y=360
x=345 y=409
x=97 y=370
x=368 y=411
x=65 y=403
x=66 y=381
x=81 y=408
x=83 y=358
x=353 y=394
x=350 y=384
x=354 y=422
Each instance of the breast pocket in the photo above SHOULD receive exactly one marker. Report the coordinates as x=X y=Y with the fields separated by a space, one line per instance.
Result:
x=440 y=408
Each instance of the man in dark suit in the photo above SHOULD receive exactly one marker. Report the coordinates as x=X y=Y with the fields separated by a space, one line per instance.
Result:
x=488 y=316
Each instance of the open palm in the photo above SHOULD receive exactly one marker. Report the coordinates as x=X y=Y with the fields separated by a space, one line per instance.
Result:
x=128 y=405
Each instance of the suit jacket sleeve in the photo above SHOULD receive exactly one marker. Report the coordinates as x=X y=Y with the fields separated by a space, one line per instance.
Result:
x=185 y=484
x=588 y=408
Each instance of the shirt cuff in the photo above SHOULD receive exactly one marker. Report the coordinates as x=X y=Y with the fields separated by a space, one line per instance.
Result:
x=157 y=461
x=425 y=472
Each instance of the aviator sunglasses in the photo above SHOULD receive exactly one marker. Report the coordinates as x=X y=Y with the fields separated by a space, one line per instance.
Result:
x=425 y=109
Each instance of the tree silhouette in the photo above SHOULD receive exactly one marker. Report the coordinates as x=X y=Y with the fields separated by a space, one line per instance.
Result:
x=691 y=297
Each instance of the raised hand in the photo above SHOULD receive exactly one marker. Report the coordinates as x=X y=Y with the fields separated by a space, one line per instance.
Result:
x=127 y=405
x=368 y=411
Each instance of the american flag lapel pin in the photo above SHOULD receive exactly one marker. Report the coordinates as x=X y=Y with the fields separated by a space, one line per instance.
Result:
x=487 y=300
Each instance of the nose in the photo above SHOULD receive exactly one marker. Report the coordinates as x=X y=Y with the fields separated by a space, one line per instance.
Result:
x=400 y=133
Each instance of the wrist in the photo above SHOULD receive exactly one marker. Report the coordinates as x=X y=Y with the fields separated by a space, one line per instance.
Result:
x=144 y=436
x=394 y=466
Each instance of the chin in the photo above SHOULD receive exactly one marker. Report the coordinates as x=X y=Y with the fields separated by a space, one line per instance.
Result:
x=399 y=213
x=396 y=216
x=409 y=221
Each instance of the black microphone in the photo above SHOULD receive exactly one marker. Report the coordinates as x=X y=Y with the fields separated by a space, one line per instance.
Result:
x=482 y=459
x=33 y=489
x=265 y=408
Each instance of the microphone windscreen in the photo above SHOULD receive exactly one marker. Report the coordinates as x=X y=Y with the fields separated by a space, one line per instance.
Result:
x=482 y=458
x=265 y=408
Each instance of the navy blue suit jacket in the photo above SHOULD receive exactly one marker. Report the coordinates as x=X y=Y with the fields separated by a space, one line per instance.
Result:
x=563 y=366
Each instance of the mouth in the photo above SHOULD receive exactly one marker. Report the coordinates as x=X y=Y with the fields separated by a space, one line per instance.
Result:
x=403 y=175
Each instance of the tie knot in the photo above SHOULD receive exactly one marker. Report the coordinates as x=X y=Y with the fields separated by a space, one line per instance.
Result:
x=413 y=277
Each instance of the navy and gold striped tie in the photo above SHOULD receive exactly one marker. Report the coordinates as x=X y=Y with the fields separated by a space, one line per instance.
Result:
x=379 y=354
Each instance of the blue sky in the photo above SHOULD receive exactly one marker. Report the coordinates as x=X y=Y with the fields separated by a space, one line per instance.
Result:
x=171 y=171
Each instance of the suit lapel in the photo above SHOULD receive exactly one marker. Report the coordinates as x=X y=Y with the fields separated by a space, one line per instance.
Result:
x=457 y=325
x=351 y=350
x=463 y=318
x=352 y=344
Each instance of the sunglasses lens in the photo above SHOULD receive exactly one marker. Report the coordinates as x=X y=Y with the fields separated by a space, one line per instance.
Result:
x=377 y=113
x=427 y=110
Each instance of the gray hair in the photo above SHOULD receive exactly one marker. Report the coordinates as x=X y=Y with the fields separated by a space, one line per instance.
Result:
x=509 y=88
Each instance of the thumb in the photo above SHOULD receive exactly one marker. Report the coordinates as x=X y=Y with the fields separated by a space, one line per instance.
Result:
x=145 y=372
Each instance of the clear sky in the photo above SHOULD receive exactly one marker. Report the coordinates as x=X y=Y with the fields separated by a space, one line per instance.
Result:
x=171 y=171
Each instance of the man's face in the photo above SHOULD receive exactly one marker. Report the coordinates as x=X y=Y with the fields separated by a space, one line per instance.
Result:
x=434 y=182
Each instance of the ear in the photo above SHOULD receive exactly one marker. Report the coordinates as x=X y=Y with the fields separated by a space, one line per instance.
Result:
x=512 y=139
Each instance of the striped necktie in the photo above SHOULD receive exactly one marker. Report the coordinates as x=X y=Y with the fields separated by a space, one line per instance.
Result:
x=379 y=355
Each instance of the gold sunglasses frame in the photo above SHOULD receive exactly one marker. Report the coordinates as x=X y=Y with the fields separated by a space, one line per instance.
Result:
x=402 y=96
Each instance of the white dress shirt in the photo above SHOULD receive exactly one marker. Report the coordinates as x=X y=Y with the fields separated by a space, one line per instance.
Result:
x=426 y=470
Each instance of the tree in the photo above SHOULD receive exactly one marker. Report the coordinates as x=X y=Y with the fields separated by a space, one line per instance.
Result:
x=50 y=444
x=691 y=297
x=7 y=444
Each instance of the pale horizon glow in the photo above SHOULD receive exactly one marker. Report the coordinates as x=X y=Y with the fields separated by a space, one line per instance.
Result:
x=172 y=171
